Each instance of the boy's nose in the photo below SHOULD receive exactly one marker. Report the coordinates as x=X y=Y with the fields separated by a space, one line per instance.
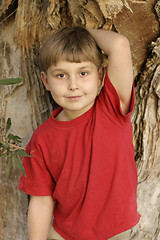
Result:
x=73 y=84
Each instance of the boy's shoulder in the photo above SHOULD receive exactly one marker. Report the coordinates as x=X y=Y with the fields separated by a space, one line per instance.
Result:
x=42 y=131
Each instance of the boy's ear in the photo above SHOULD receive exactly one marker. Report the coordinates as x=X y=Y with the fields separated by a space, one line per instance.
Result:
x=44 y=80
x=101 y=74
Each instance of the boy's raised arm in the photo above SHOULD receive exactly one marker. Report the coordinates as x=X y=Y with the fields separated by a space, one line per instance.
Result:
x=39 y=216
x=120 y=70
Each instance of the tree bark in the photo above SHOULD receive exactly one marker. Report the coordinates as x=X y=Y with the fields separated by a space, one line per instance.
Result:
x=23 y=25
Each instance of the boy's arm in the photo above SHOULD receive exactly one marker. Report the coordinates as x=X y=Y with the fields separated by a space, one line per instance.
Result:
x=39 y=216
x=120 y=70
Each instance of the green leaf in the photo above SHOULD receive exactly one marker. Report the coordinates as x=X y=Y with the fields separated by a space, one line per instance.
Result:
x=22 y=153
x=8 y=124
x=8 y=167
x=14 y=137
x=19 y=166
x=6 y=146
x=10 y=81
x=5 y=155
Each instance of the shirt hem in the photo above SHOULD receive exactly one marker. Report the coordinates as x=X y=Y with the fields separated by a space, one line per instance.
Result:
x=107 y=236
x=35 y=192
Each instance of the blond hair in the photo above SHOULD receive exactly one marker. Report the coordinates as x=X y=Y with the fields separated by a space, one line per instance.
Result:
x=73 y=44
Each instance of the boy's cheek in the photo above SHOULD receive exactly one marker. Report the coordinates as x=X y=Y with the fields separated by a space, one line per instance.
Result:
x=56 y=94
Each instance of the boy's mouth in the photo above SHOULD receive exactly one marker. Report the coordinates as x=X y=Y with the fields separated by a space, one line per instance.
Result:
x=74 y=97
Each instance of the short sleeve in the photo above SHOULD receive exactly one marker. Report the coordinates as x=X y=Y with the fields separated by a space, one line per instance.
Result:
x=38 y=180
x=110 y=102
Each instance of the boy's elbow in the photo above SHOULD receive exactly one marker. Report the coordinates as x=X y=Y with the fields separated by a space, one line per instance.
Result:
x=122 y=43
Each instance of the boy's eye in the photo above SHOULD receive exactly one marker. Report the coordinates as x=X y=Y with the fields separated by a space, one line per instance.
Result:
x=61 y=75
x=83 y=73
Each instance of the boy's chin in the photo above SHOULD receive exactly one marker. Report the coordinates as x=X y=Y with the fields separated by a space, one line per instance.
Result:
x=81 y=109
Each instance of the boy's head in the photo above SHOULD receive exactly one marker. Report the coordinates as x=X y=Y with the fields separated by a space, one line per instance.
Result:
x=72 y=44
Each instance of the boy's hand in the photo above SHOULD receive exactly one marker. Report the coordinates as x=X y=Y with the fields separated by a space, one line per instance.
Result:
x=120 y=70
x=39 y=216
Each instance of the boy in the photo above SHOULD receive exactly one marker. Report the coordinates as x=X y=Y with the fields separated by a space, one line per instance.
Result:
x=83 y=167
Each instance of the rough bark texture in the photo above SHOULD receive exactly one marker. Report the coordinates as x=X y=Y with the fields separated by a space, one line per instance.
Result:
x=146 y=122
x=23 y=25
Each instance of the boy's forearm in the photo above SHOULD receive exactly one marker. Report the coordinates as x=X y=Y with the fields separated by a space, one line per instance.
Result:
x=108 y=41
x=39 y=217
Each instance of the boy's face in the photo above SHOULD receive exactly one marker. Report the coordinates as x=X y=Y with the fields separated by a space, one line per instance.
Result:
x=73 y=86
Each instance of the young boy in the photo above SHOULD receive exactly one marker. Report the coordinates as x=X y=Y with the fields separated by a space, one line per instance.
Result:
x=83 y=169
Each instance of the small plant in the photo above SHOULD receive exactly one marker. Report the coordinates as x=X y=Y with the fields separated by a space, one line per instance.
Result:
x=10 y=81
x=10 y=145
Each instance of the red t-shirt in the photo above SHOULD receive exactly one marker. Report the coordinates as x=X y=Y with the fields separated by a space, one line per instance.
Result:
x=88 y=166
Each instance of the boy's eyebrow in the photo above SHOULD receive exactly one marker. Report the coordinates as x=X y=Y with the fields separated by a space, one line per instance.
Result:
x=57 y=69
x=62 y=69
x=85 y=67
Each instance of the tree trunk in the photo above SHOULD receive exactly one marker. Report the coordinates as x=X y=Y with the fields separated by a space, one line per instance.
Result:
x=23 y=25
